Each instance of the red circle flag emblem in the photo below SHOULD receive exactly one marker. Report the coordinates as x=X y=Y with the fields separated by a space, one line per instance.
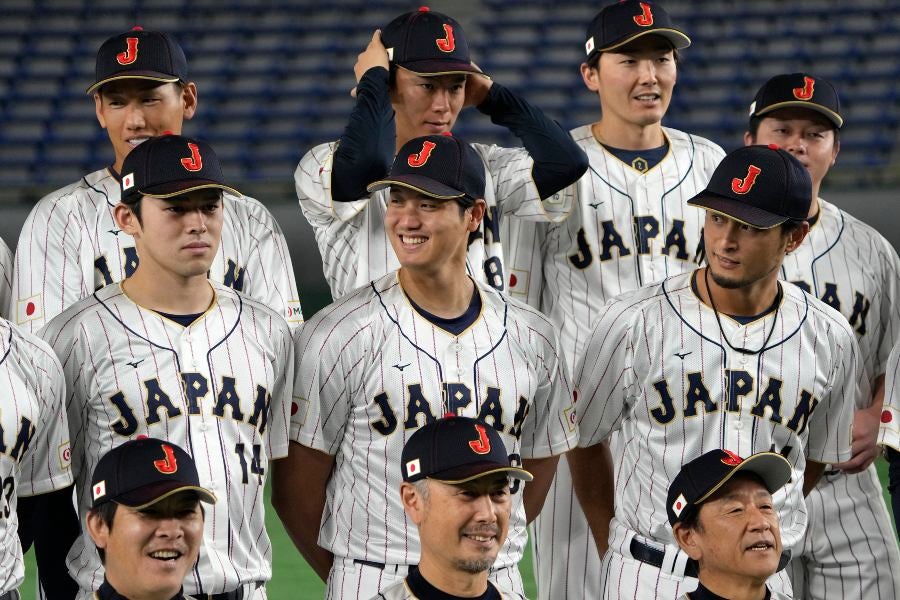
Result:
x=886 y=416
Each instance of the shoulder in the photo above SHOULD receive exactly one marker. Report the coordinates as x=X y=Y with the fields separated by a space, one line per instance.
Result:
x=857 y=232
x=699 y=146
x=99 y=186
x=582 y=134
x=27 y=349
x=817 y=312
x=62 y=329
x=250 y=308
x=355 y=311
x=315 y=156
x=250 y=207
x=497 y=305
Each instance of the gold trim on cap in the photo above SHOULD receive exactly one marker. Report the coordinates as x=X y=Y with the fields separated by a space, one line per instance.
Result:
x=117 y=77
x=643 y=33
x=815 y=106
x=193 y=189
x=389 y=182
x=520 y=474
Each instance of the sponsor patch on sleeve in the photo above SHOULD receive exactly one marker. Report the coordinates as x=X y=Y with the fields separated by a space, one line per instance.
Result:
x=293 y=313
x=65 y=456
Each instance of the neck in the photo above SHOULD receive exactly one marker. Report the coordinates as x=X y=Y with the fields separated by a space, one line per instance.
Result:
x=123 y=590
x=814 y=205
x=746 y=301
x=732 y=587
x=445 y=294
x=164 y=291
x=453 y=581
x=628 y=136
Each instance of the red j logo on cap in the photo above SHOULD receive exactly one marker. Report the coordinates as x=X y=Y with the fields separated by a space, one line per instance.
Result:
x=733 y=459
x=421 y=157
x=805 y=92
x=167 y=465
x=447 y=43
x=645 y=19
x=194 y=162
x=130 y=54
x=482 y=445
x=742 y=186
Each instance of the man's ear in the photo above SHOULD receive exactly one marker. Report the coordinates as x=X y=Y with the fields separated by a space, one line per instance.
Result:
x=413 y=502
x=97 y=529
x=797 y=236
x=591 y=76
x=687 y=540
x=98 y=109
x=189 y=100
x=477 y=214
x=126 y=219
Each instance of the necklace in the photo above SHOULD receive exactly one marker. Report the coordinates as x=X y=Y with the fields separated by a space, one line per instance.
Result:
x=712 y=302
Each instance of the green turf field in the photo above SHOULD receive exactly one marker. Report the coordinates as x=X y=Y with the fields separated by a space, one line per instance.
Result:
x=293 y=580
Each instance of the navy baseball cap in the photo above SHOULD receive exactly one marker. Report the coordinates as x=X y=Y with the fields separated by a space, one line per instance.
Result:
x=617 y=24
x=142 y=472
x=427 y=42
x=699 y=479
x=760 y=186
x=800 y=90
x=170 y=165
x=439 y=166
x=139 y=54
x=455 y=450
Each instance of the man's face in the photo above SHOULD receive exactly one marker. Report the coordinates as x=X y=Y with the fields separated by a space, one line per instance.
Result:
x=132 y=110
x=462 y=527
x=738 y=533
x=150 y=551
x=635 y=82
x=427 y=233
x=805 y=133
x=180 y=235
x=739 y=255
x=426 y=105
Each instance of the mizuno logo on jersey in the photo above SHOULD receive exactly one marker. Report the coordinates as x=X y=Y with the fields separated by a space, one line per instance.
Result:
x=740 y=385
x=157 y=403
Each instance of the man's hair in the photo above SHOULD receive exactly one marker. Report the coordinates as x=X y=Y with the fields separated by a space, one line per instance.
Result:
x=753 y=128
x=422 y=488
x=691 y=519
x=135 y=207
x=790 y=226
x=107 y=514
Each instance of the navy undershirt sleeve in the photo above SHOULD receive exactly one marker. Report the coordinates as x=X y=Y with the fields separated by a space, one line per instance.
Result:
x=893 y=458
x=51 y=522
x=558 y=160
x=366 y=148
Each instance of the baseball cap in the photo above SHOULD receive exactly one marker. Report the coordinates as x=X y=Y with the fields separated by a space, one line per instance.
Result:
x=617 y=24
x=703 y=476
x=800 y=90
x=169 y=165
x=760 y=186
x=139 y=54
x=427 y=42
x=455 y=450
x=142 y=472
x=440 y=166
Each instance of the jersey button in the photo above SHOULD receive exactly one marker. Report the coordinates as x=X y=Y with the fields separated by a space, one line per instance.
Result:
x=739 y=425
x=204 y=427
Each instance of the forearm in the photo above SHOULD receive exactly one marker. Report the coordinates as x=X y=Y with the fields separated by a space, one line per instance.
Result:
x=535 y=492
x=366 y=147
x=811 y=475
x=893 y=458
x=593 y=478
x=558 y=160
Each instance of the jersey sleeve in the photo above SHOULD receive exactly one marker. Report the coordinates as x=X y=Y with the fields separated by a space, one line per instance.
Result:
x=604 y=374
x=549 y=428
x=889 y=319
x=48 y=271
x=282 y=394
x=327 y=350
x=6 y=273
x=47 y=465
x=889 y=430
x=270 y=267
x=831 y=421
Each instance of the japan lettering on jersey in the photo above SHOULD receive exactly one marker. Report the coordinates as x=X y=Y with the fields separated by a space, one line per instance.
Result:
x=220 y=388
x=371 y=370
x=70 y=246
x=6 y=274
x=853 y=269
x=355 y=248
x=659 y=369
x=35 y=456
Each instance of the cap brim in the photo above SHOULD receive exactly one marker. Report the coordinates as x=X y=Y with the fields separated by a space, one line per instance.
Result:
x=177 y=188
x=147 y=75
x=418 y=183
x=151 y=494
x=741 y=212
x=772 y=468
x=431 y=68
x=477 y=471
x=679 y=40
x=832 y=116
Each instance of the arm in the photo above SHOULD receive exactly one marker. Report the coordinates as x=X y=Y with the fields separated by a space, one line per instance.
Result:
x=6 y=273
x=594 y=481
x=865 y=432
x=535 y=492
x=298 y=496
x=53 y=523
x=811 y=475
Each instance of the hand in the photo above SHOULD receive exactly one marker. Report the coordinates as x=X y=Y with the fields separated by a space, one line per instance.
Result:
x=865 y=433
x=477 y=86
x=375 y=55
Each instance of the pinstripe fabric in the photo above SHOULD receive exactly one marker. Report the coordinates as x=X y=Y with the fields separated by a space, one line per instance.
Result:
x=849 y=550
x=35 y=452
x=889 y=430
x=371 y=371
x=355 y=248
x=657 y=370
x=6 y=273
x=219 y=388
x=70 y=246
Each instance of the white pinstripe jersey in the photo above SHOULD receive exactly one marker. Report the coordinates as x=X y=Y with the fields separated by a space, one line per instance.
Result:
x=6 y=273
x=889 y=430
x=220 y=389
x=355 y=247
x=658 y=369
x=372 y=370
x=70 y=246
x=401 y=591
x=35 y=456
x=852 y=268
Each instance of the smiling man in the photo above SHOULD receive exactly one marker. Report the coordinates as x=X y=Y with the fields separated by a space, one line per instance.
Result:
x=456 y=489
x=406 y=349
x=146 y=520
x=723 y=516
x=725 y=355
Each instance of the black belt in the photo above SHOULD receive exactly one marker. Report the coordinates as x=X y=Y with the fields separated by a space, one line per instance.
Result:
x=377 y=565
x=237 y=594
x=652 y=556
